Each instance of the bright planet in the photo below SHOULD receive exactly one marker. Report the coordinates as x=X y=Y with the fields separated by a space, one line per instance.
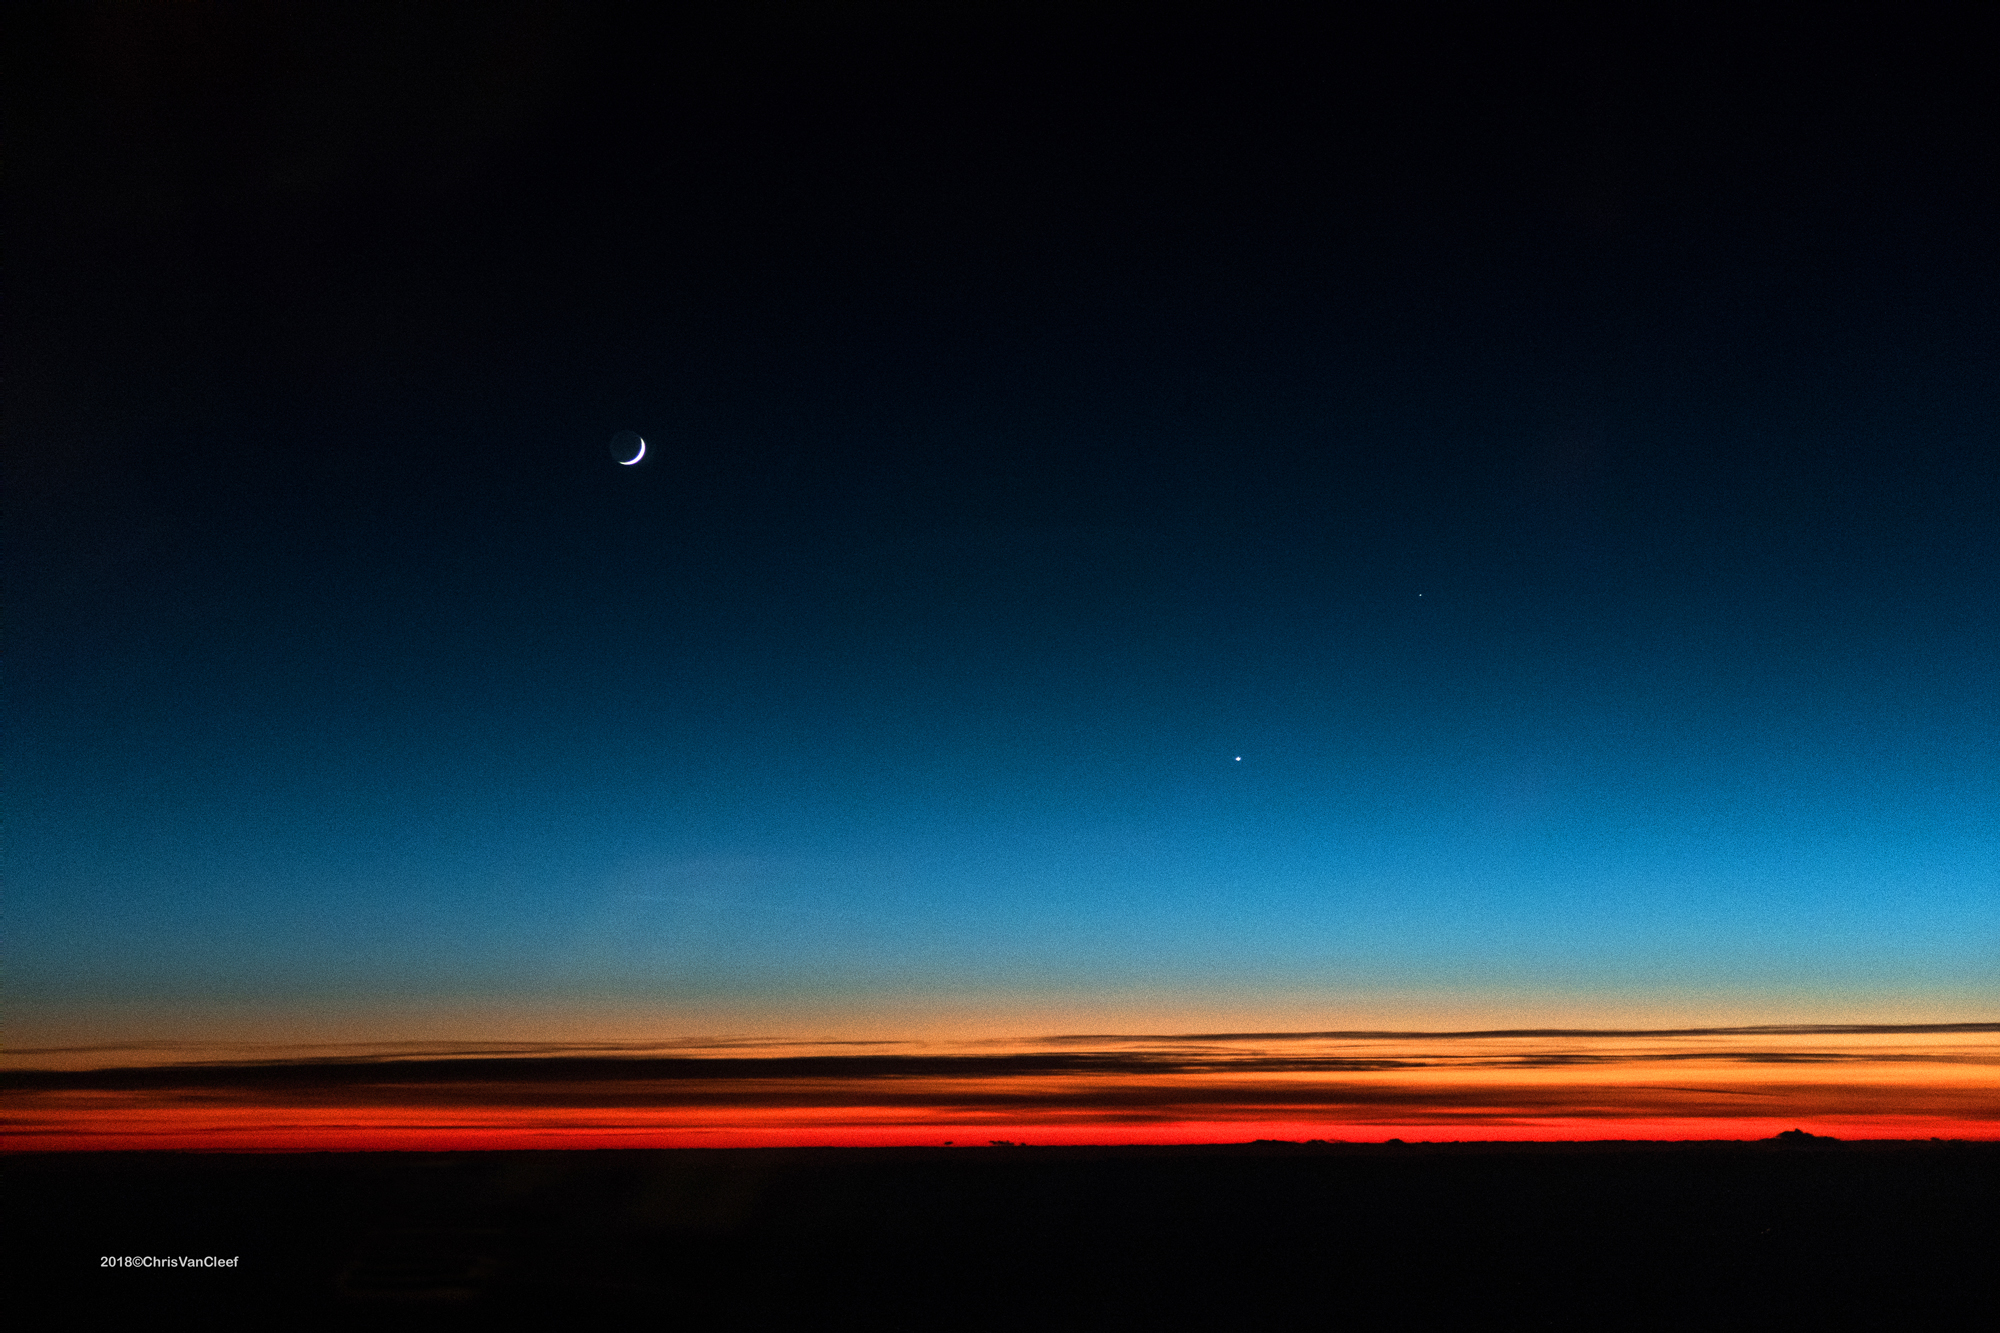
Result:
x=627 y=448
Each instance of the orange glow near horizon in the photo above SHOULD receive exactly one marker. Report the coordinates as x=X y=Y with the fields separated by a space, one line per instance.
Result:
x=1875 y=1083
x=262 y=1129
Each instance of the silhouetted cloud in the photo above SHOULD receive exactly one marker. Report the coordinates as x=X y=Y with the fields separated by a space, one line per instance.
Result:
x=1451 y=1080
x=613 y=1063
x=1775 y=1029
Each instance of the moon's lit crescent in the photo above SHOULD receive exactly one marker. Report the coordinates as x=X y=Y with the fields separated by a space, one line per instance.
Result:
x=627 y=448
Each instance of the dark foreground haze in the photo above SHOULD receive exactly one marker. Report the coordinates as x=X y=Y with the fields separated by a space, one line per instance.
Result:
x=1777 y=1233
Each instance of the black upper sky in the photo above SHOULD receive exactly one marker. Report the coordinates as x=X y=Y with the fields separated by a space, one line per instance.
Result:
x=1482 y=283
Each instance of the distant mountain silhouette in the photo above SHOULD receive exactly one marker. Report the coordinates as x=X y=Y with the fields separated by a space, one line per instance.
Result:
x=1800 y=1136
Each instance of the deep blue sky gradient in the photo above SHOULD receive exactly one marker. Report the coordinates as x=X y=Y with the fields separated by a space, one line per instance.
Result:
x=1560 y=464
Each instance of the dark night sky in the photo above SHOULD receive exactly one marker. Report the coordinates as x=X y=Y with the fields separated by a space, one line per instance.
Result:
x=1555 y=451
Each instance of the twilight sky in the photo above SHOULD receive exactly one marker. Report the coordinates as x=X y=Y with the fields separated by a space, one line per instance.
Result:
x=1477 y=521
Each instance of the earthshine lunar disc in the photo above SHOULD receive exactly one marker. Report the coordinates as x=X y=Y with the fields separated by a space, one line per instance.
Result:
x=627 y=448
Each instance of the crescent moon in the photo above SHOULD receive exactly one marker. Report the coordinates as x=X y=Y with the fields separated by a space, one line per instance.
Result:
x=627 y=442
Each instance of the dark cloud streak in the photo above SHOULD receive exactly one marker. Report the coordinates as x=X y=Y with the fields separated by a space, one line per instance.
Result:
x=1788 y=1029
x=593 y=1066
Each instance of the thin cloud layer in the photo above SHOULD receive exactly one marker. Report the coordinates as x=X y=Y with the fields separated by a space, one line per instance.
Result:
x=1893 y=1080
